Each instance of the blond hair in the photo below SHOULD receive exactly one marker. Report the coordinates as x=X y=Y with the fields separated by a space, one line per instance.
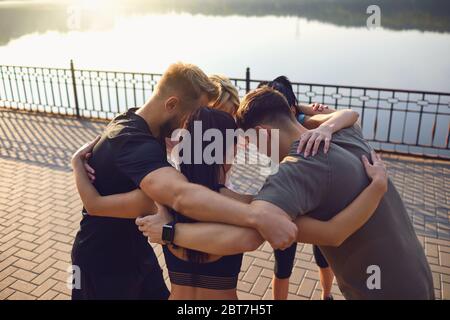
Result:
x=187 y=80
x=227 y=92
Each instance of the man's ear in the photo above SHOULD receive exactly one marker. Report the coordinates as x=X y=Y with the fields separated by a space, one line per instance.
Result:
x=171 y=103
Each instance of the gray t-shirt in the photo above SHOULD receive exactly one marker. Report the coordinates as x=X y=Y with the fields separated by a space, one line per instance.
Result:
x=322 y=186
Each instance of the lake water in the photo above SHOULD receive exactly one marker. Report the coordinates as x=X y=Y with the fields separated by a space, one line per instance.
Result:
x=320 y=46
x=305 y=50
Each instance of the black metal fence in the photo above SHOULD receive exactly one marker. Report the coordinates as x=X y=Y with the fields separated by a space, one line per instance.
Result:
x=402 y=121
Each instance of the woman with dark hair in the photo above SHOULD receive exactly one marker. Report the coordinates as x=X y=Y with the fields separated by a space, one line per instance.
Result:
x=302 y=111
x=193 y=274
x=284 y=85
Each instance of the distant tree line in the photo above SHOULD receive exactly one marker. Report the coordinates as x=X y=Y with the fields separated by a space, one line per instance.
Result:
x=424 y=15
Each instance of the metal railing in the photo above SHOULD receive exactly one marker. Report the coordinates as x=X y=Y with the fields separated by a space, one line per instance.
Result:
x=401 y=121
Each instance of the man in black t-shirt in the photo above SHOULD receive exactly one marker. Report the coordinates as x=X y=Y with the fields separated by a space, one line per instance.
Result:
x=115 y=260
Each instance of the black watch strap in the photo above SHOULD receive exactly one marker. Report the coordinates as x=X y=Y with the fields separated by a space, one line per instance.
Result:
x=168 y=232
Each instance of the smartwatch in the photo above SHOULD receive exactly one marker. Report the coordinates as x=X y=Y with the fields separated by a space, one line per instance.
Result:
x=168 y=232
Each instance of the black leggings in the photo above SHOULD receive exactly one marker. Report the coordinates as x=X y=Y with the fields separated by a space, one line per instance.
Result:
x=320 y=259
x=284 y=261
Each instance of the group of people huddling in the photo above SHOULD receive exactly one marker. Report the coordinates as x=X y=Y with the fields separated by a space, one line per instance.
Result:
x=329 y=189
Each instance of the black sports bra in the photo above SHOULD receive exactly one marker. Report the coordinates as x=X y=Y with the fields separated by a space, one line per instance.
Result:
x=221 y=274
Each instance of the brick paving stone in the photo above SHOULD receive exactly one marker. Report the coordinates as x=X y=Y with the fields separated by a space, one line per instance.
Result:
x=17 y=295
x=43 y=288
x=44 y=276
x=6 y=293
x=261 y=285
x=49 y=295
x=26 y=265
x=22 y=286
x=24 y=275
x=444 y=259
x=40 y=214
x=306 y=287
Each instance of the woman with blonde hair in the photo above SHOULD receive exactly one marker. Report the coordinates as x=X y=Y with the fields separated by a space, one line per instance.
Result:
x=228 y=99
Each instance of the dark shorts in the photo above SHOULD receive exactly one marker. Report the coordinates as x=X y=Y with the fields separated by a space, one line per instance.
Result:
x=284 y=261
x=97 y=286
x=320 y=259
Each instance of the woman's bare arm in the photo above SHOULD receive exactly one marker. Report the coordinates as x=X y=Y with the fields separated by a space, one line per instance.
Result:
x=322 y=127
x=336 y=120
x=314 y=108
x=217 y=239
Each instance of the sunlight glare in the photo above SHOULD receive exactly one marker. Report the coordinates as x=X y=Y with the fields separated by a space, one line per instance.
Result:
x=92 y=5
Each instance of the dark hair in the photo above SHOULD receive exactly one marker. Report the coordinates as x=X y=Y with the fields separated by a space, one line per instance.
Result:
x=284 y=86
x=204 y=174
x=263 y=105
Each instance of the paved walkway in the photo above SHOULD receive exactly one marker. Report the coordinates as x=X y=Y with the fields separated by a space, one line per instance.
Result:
x=40 y=212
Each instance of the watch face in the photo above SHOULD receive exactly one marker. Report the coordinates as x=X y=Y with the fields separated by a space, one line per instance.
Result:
x=167 y=234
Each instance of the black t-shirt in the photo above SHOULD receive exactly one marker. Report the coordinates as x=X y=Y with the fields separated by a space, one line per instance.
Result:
x=125 y=154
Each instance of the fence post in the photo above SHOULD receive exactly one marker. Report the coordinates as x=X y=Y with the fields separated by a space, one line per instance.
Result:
x=74 y=84
x=247 y=80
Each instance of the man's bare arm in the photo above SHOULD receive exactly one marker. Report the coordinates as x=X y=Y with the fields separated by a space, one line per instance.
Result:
x=169 y=187
x=222 y=239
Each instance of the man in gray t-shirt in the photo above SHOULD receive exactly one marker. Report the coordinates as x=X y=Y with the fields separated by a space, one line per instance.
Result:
x=323 y=185
x=381 y=260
